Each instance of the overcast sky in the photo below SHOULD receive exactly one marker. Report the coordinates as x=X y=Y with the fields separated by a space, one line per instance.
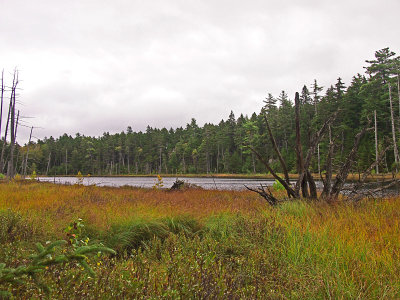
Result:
x=94 y=66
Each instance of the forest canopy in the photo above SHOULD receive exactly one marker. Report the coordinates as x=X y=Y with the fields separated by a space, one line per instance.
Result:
x=225 y=147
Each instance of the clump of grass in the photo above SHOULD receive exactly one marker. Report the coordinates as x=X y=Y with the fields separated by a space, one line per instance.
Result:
x=183 y=224
x=131 y=235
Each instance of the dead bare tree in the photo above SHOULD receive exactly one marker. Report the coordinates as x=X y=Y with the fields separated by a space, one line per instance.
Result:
x=286 y=185
x=278 y=153
x=344 y=170
x=305 y=186
x=48 y=164
x=2 y=98
x=304 y=173
x=396 y=153
x=14 y=126
x=302 y=182
x=4 y=144
x=27 y=154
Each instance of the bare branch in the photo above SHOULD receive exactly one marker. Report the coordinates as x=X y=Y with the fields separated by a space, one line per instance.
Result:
x=276 y=176
x=266 y=194
x=278 y=153
x=345 y=168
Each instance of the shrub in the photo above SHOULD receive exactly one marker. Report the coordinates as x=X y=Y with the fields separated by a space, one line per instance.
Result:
x=44 y=258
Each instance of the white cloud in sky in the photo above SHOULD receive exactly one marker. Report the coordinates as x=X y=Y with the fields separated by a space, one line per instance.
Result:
x=95 y=66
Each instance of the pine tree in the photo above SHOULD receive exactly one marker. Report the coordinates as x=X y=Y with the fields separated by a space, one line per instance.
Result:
x=383 y=66
x=270 y=103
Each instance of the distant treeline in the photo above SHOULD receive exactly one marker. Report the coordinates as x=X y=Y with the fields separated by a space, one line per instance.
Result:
x=223 y=147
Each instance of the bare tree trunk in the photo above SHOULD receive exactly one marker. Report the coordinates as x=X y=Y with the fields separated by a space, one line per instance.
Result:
x=344 y=170
x=304 y=176
x=398 y=90
x=276 y=176
x=48 y=164
x=299 y=151
x=396 y=153
x=254 y=163
x=278 y=153
x=376 y=144
x=129 y=170
x=328 y=176
x=2 y=98
x=10 y=171
x=13 y=165
x=27 y=153
x=160 y=168
x=66 y=162
x=312 y=185
x=217 y=158
x=319 y=160
x=6 y=132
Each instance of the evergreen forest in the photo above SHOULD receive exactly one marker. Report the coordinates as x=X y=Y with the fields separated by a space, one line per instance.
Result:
x=369 y=100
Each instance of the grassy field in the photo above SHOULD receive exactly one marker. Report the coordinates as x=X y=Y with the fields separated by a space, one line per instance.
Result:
x=204 y=244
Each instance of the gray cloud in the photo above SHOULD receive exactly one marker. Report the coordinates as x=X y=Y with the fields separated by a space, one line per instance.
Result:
x=95 y=66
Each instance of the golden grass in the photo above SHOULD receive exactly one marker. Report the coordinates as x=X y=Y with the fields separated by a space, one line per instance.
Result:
x=317 y=250
x=57 y=205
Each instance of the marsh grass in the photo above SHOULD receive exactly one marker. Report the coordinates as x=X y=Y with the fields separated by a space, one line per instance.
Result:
x=209 y=244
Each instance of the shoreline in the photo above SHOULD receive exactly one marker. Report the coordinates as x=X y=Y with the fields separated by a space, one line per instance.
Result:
x=351 y=177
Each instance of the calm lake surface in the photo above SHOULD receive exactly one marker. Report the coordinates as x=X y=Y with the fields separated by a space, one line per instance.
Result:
x=206 y=183
x=148 y=182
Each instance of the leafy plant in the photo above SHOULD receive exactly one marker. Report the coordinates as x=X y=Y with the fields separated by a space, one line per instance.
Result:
x=159 y=183
x=46 y=257
x=74 y=234
x=79 y=178
x=277 y=186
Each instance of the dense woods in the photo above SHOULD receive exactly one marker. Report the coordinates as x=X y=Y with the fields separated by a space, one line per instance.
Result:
x=225 y=147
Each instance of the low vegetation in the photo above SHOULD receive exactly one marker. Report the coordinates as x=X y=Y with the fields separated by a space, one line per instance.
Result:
x=201 y=244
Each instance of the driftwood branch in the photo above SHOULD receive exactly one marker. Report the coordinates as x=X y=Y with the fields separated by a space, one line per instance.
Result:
x=359 y=194
x=266 y=194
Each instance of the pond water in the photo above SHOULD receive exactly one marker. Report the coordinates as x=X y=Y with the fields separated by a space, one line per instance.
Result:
x=206 y=183
x=148 y=182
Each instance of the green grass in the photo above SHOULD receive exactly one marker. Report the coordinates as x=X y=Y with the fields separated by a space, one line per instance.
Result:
x=202 y=244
